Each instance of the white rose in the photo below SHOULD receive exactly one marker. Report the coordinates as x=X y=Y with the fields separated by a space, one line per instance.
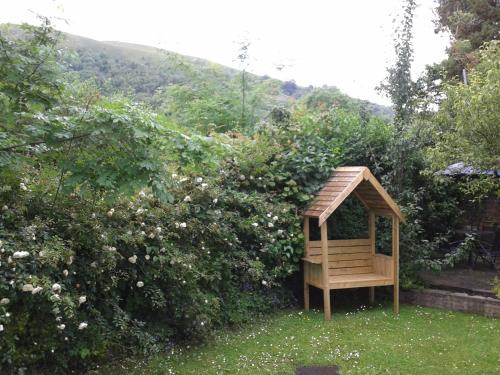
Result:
x=28 y=288
x=140 y=284
x=204 y=185
x=183 y=225
x=133 y=259
x=4 y=301
x=264 y=282
x=82 y=299
x=1 y=327
x=255 y=225
x=61 y=327
x=215 y=200
x=38 y=289
x=56 y=288
x=111 y=212
x=270 y=225
x=20 y=254
x=147 y=257
x=22 y=186
x=82 y=325
x=187 y=198
x=199 y=180
x=66 y=273
x=275 y=218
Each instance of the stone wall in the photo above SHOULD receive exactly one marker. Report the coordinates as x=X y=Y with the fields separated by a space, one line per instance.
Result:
x=452 y=301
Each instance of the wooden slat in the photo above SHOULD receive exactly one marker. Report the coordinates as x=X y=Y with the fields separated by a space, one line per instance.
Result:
x=341 y=250
x=350 y=263
x=341 y=179
x=337 y=183
x=358 y=281
x=346 y=174
x=349 y=271
x=350 y=242
x=333 y=188
x=328 y=193
x=342 y=256
x=320 y=206
x=350 y=169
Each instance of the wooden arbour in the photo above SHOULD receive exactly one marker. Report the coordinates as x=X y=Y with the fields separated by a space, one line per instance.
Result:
x=351 y=263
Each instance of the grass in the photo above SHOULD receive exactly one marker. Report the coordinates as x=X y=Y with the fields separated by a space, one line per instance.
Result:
x=419 y=341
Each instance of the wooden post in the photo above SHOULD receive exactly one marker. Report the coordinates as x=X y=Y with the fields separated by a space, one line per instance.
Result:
x=395 y=260
x=371 y=236
x=324 y=265
x=306 y=246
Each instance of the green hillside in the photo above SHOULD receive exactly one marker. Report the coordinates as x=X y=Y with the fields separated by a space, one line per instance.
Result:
x=148 y=73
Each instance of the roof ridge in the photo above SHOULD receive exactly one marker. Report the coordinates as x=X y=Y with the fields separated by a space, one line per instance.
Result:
x=343 y=182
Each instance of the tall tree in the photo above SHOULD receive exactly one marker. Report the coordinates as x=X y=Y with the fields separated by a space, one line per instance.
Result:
x=470 y=24
x=401 y=90
x=242 y=57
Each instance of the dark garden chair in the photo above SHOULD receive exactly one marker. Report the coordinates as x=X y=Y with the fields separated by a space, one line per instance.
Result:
x=488 y=248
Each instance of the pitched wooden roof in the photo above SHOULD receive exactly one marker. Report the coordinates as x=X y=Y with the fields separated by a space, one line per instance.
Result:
x=352 y=180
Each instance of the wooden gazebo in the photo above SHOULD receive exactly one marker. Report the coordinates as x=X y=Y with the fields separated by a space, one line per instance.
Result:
x=352 y=263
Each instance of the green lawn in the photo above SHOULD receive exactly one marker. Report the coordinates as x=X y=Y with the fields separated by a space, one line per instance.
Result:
x=419 y=341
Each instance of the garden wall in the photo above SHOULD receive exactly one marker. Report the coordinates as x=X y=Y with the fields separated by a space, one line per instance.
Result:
x=452 y=301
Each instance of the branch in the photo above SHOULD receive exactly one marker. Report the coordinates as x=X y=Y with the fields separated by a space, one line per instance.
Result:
x=76 y=137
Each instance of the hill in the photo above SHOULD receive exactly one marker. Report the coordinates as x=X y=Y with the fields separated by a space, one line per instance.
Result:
x=172 y=82
x=142 y=70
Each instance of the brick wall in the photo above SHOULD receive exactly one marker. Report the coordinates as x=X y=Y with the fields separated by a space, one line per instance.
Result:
x=452 y=301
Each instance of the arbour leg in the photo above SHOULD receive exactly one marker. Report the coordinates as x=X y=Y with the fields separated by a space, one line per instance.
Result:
x=371 y=295
x=326 y=303
x=306 y=296
x=396 y=299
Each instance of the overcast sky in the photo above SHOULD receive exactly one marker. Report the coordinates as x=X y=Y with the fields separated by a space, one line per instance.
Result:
x=345 y=43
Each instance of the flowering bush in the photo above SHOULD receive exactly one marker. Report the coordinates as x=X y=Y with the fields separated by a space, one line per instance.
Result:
x=78 y=279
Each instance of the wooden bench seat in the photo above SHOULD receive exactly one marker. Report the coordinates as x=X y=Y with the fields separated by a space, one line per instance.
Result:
x=350 y=263
x=358 y=281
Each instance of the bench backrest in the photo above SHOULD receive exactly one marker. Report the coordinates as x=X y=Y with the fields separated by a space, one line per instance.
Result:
x=345 y=257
